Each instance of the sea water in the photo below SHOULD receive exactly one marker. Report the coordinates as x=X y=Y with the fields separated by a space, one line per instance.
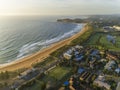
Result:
x=21 y=36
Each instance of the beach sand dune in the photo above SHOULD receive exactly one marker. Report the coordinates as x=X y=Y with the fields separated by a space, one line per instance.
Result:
x=39 y=56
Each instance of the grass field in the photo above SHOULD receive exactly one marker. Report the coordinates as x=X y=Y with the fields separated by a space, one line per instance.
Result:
x=53 y=76
x=100 y=40
x=59 y=72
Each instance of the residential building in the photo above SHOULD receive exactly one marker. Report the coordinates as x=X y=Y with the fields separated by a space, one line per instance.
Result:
x=118 y=86
x=67 y=56
x=110 y=65
x=100 y=82
x=117 y=70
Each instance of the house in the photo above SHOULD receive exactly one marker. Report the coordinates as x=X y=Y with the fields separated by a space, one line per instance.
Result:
x=118 y=86
x=86 y=76
x=110 y=56
x=17 y=84
x=79 y=57
x=67 y=56
x=110 y=65
x=72 y=51
x=69 y=51
x=78 y=47
x=102 y=52
x=28 y=74
x=81 y=70
x=82 y=77
x=76 y=53
x=117 y=70
x=92 y=63
x=103 y=60
x=108 y=28
x=100 y=82
x=116 y=27
x=94 y=53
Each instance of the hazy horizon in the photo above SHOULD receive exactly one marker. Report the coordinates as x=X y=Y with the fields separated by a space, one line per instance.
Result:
x=59 y=7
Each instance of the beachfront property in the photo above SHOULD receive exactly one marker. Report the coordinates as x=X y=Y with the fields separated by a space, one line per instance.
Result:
x=100 y=82
x=73 y=51
x=82 y=73
x=67 y=56
x=22 y=78
x=28 y=74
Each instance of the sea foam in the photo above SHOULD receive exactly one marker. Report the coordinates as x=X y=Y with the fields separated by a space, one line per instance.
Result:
x=29 y=48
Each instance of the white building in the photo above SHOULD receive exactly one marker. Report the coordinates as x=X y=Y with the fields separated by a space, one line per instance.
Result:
x=67 y=56
x=118 y=86
x=117 y=27
x=69 y=53
x=100 y=82
x=78 y=47
x=109 y=65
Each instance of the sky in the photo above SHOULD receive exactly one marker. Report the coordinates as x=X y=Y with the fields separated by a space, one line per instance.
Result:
x=59 y=7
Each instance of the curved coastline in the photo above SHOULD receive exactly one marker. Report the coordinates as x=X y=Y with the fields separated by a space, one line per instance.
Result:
x=39 y=56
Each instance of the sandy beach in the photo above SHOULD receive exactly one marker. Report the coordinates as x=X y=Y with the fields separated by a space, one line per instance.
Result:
x=39 y=56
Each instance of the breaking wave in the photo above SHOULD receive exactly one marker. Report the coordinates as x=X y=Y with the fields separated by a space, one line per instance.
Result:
x=30 y=48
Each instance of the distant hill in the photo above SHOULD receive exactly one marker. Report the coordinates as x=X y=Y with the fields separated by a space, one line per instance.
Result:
x=72 y=20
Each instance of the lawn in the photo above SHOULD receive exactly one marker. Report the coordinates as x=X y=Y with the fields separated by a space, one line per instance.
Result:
x=53 y=76
x=99 y=39
x=37 y=86
x=59 y=72
x=93 y=39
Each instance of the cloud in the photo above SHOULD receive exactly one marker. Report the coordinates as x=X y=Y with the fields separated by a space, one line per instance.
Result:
x=59 y=6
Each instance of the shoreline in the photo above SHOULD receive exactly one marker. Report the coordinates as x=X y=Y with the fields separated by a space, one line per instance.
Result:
x=40 y=55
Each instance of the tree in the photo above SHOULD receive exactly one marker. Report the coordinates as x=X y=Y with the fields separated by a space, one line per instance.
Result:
x=6 y=75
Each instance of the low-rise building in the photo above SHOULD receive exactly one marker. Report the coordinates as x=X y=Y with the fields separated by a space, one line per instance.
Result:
x=110 y=64
x=116 y=27
x=67 y=56
x=111 y=56
x=78 y=57
x=100 y=82
x=81 y=70
x=28 y=74
x=87 y=77
x=118 y=86
x=78 y=47
x=117 y=70
x=72 y=51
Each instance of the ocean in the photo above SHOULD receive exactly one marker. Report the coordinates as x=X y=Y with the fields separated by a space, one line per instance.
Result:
x=21 y=36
